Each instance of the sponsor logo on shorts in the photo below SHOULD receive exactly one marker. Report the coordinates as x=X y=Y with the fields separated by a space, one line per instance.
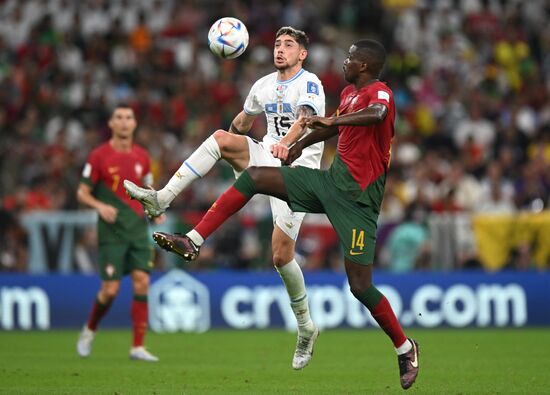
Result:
x=352 y=253
x=110 y=270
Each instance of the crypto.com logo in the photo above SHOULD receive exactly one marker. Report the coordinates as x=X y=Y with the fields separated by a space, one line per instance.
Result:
x=178 y=302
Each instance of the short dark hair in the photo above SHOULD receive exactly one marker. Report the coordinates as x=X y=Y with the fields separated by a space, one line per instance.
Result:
x=120 y=105
x=299 y=35
x=374 y=53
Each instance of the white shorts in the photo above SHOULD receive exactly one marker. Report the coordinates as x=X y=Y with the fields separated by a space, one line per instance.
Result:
x=283 y=216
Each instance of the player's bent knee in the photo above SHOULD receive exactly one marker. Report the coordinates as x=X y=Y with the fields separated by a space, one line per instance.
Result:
x=283 y=253
x=223 y=138
x=280 y=260
x=140 y=281
x=110 y=292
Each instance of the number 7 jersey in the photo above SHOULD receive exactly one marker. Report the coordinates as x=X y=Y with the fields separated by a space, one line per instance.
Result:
x=105 y=171
x=279 y=100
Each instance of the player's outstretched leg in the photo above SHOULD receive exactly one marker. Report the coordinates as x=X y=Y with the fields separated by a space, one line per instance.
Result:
x=360 y=280
x=225 y=206
x=146 y=196
x=178 y=244
x=196 y=166
x=408 y=365
x=85 y=341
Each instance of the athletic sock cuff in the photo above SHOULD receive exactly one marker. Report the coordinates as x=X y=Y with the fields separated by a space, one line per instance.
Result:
x=140 y=298
x=370 y=297
x=245 y=185
x=298 y=300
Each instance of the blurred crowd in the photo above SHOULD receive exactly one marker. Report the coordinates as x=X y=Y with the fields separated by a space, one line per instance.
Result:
x=471 y=80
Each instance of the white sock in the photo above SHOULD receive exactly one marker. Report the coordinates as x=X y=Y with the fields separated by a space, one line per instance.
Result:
x=195 y=237
x=404 y=348
x=293 y=278
x=197 y=165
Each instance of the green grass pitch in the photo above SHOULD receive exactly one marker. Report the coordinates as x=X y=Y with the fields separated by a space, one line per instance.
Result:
x=258 y=362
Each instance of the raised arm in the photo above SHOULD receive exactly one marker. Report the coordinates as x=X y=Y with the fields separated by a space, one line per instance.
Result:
x=374 y=113
x=324 y=128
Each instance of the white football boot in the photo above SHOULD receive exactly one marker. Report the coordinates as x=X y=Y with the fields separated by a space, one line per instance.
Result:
x=304 y=349
x=147 y=197
x=141 y=354
x=84 y=343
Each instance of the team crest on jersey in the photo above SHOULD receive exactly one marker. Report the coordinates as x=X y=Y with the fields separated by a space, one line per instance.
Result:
x=384 y=96
x=138 y=169
x=87 y=171
x=281 y=89
x=110 y=270
x=312 y=87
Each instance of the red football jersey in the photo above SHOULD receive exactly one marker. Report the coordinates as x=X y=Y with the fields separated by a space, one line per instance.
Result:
x=366 y=149
x=110 y=168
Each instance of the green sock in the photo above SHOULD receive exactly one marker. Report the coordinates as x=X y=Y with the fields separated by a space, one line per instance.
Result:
x=370 y=297
x=140 y=298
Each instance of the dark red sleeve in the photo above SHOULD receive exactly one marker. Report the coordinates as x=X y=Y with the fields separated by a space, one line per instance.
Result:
x=380 y=93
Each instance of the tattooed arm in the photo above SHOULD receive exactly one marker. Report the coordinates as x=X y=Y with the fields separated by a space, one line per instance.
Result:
x=295 y=133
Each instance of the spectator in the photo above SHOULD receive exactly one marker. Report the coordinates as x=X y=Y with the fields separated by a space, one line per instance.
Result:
x=478 y=95
x=408 y=244
x=13 y=244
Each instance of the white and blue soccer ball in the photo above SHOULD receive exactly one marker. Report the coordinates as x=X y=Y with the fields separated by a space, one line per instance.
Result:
x=228 y=38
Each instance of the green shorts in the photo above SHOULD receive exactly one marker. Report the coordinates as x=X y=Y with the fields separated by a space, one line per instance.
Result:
x=118 y=259
x=313 y=191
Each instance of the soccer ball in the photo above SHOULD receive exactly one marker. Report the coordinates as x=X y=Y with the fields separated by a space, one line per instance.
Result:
x=228 y=38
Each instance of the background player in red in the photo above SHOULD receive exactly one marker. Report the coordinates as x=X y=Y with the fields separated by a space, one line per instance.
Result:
x=350 y=192
x=124 y=245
